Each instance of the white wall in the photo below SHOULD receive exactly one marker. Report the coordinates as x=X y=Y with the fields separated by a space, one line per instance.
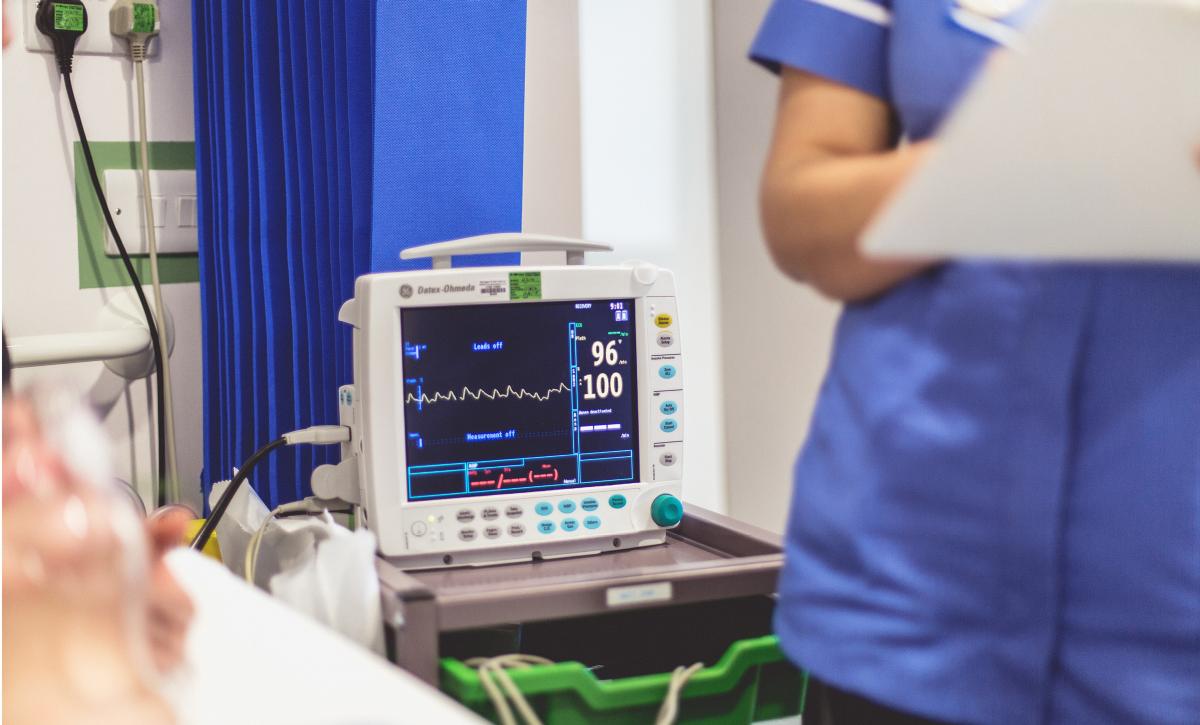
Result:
x=551 y=200
x=41 y=276
x=776 y=333
x=649 y=185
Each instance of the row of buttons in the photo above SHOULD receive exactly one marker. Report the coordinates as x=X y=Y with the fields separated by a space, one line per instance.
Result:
x=543 y=508
x=669 y=409
x=492 y=532
x=591 y=522
x=491 y=513
x=567 y=506
x=546 y=527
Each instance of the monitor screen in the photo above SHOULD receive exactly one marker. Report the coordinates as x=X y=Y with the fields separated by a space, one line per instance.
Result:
x=514 y=397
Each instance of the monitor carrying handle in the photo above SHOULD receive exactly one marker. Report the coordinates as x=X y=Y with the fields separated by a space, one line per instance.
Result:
x=441 y=252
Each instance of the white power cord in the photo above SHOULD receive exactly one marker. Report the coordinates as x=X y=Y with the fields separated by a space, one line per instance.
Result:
x=496 y=667
x=172 y=482
x=670 y=707
x=250 y=563
x=138 y=23
x=493 y=670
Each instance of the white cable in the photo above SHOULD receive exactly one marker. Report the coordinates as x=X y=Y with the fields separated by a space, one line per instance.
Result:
x=318 y=435
x=496 y=667
x=137 y=51
x=311 y=505
x=251 y=559
x=670 y=707
x=493 y=669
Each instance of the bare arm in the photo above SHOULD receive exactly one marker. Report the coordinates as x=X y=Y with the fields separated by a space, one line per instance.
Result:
x=829 y=169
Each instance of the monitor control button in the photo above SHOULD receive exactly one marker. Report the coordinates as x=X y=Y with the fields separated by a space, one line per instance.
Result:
x=467 y=534
x=668 y=459
x=666 y=511
x=566 y=506
x=492 y=532
x=465 y=516
x=617 y=501
x=546 y=527
x=516 y=530
x=491 y=513
x=669 y=407
x=666 y=372
x=514 y=512
x=419 y=528
x=665 y=339
x=669 y=425
x=663 y=320
x=569 y=524
x=591 y=522
x=589 y=504
x=543 y=508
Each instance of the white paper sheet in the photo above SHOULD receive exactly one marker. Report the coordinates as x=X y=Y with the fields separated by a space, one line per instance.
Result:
x=1081 y=147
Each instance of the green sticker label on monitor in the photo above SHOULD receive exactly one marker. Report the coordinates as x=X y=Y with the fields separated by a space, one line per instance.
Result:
x=524 y=285
x=68 y=17
x=143 y=18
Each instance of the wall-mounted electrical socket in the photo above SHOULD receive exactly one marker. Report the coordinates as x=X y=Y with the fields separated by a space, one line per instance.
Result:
x=173 y=194
x=96 y=41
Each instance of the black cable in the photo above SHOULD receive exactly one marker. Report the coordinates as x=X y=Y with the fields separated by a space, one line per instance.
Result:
x=7 y=365
x=155 y=340
x=214 y=517
x=298 y=514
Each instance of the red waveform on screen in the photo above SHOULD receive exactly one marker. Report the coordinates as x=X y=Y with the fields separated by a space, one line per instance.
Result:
x=497 y=479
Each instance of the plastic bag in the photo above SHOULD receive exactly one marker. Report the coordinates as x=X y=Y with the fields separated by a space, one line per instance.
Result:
x=245 y=514
x=336 y=583
x=312 y=563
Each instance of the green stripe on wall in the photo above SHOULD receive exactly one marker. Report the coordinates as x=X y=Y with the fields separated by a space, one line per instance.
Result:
x=98 y=269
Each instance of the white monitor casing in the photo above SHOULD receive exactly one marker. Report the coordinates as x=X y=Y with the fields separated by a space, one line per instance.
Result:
x=497 y=528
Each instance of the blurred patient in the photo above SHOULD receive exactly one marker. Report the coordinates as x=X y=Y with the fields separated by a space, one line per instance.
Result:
x=92 y=617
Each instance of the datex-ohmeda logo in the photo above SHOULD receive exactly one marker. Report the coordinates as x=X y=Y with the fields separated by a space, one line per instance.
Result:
x=406 y=291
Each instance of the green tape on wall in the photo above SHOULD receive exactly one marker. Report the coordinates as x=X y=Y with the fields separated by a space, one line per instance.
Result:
x=96 y=268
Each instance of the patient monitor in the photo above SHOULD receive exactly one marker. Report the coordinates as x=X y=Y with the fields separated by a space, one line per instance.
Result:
x=505 y=414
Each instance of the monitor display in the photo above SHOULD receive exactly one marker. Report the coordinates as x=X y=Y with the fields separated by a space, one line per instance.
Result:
x=514 y=397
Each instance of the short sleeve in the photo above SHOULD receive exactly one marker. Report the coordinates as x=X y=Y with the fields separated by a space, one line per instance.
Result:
x=842 y=40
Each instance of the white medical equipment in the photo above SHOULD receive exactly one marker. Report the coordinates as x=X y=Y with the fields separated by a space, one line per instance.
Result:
x=504 y=414
x=1082 y=146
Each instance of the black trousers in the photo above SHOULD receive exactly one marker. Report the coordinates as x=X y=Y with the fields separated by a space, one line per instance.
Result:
x=827 y=705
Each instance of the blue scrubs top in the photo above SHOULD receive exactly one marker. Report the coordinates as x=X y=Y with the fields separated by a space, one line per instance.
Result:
x=996 y=515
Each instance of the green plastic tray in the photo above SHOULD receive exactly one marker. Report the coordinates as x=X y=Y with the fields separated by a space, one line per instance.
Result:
x=752 y=682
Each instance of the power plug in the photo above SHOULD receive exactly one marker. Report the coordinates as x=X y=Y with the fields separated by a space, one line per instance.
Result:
x=137 y=21
x=64 y=22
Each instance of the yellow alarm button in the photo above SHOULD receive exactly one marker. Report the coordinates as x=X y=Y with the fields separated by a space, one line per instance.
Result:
x=663 y=320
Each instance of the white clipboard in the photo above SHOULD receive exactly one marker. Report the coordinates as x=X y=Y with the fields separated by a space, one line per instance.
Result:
x=1082 y=146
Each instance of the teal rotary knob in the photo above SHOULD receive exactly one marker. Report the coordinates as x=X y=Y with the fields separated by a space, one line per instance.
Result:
x=666 y=511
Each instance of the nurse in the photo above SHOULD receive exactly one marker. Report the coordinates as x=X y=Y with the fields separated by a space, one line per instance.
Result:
x=996 y=515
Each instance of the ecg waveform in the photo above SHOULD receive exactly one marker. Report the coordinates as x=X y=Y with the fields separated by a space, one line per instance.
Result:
x=480 y=394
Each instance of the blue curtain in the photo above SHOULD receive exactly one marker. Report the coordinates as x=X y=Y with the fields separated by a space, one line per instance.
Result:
x=330 y=135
